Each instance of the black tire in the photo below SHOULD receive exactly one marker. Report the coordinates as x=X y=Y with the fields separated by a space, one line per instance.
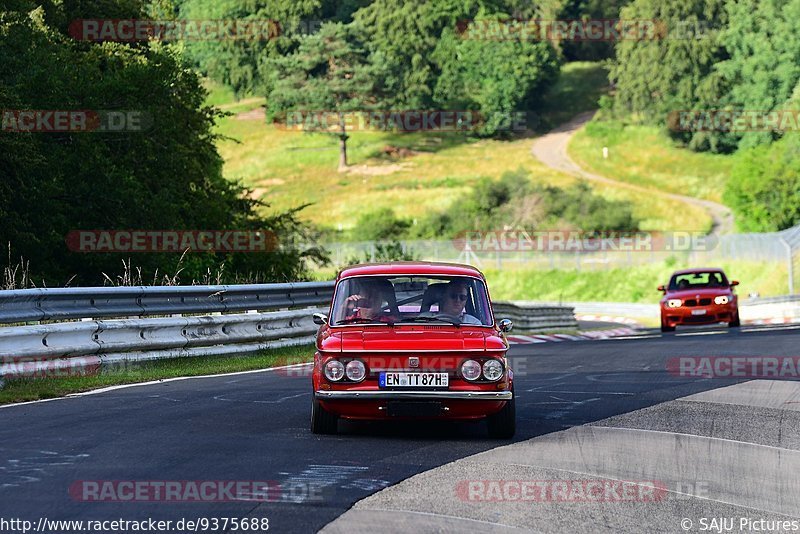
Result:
x=665 y=328
x=735 y=323
x=503 y=424
x=322 y=421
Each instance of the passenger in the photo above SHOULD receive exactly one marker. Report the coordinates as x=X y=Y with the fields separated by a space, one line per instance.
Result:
x=454 y=298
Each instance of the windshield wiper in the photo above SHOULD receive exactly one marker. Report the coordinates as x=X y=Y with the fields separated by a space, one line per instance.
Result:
x=352 y=320
x=424 y=319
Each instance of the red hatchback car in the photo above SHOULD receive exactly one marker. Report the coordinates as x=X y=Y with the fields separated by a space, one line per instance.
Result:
x=412 y=340
x=698 y=296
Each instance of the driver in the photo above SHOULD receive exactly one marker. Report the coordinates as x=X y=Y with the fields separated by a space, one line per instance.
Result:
x=368 y=303
x=454 y=298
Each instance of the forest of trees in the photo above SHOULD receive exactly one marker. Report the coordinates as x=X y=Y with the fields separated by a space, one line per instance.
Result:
x=347 y=55
x=743 y=55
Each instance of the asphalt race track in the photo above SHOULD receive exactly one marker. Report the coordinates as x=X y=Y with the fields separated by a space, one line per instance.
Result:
x=255 y=427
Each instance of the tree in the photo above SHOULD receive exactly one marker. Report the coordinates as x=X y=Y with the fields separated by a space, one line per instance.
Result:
x=762 y=70
x=331 y=72
x=495 y=77
x=165 y=177
x=675 y=71
x=242 y=64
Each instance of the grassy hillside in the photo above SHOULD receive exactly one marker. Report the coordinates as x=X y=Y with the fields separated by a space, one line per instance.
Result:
x=287 y=168
x=645 y=155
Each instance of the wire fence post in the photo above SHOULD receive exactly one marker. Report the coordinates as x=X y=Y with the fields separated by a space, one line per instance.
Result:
x=790 y=258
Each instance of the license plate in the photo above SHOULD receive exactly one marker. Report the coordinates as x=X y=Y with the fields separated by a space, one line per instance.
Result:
x=413 y=380
x=698 y=312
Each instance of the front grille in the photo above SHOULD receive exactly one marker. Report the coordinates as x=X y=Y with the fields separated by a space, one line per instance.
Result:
x=700 y=319
x=693 y=302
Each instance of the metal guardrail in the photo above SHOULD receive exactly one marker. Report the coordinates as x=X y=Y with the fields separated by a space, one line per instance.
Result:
x=533 y=318
x=25 y=305
x=113 y=332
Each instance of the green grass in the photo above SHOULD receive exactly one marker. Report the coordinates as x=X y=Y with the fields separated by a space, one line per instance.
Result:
x=287 y=169
x=632 y=284
x=218 y=94
x=29 y=389
x=646 y=156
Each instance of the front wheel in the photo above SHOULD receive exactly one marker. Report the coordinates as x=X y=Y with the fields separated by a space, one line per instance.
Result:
x=322 y=421
x=735 y=323
x=503 y=424
x=665 y=328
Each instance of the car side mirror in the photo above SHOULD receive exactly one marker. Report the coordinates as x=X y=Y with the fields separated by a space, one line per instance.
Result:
x=734 y=283
x=505 y=325
x=662 y=288
x=320 y=318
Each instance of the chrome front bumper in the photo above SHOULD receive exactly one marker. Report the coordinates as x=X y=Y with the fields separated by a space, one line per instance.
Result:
x=415 y=395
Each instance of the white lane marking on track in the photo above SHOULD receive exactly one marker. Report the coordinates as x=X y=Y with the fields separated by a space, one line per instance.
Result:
x=771 y=328
x=588 y=392
x=710 y=333
x=566 y=411
x=153 y=382
x=223 y=399
x=620 y=338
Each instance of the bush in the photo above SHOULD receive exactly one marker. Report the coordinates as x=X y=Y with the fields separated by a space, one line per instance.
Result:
x=380 y=225
x=512 y=201
x=764 y=188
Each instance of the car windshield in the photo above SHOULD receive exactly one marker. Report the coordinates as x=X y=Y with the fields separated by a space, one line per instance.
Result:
x=698 y=280
x=456 y=300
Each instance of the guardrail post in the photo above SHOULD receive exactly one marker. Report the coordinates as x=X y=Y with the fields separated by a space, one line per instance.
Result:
x=790 y=259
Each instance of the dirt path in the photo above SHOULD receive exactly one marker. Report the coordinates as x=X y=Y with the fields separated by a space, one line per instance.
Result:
x=244 y=102
x=551 y=149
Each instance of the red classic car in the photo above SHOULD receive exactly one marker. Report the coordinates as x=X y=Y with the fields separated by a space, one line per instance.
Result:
x=412 y=340
x=698 y=296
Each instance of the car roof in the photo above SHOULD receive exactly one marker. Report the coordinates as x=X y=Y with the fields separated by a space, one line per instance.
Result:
x=396 y=268
x=699 y=270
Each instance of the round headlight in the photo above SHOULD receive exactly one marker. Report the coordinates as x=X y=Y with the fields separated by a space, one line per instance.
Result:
x=334 y=370
x=722 y=299
x=492 y=370
x=356 y=371
x=471 y=370
x=674 y=303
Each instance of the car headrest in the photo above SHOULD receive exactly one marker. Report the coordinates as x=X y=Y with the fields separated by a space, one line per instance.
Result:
x=432 y=294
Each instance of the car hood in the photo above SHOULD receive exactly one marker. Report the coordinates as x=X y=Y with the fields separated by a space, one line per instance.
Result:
x=710 y=292
x=413 y=339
